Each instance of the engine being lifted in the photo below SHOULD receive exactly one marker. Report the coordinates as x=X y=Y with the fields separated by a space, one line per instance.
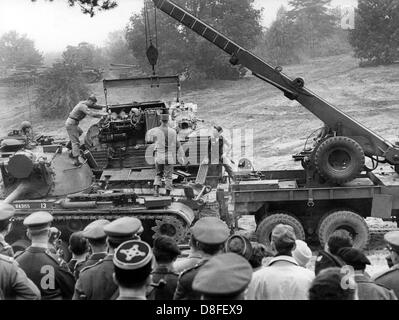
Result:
x=117 y=148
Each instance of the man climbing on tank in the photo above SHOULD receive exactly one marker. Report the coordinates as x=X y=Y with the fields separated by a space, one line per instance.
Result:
x=78 y=113
x=166 y=145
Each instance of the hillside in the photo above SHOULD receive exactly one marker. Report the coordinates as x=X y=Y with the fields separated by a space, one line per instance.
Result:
x=280 y=126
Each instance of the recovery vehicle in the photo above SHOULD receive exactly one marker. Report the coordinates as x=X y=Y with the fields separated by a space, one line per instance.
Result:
x=335 y=189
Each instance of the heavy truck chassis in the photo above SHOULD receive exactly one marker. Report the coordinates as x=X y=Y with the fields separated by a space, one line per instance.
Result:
x=335 y=189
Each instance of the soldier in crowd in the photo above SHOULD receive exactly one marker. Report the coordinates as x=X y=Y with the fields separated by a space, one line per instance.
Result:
x=132 y=269
x=282 y=278
x=367 y=289
x=14 y=283
x=78 y=113
x=328 y=257
x=27 y=132
x=6 y=217
x=239 y=244
x=191 y=260
x=302 y=253
x=224 y=277
x=49 y=272
x=164 y=276
x=210 y=233
x=96 y=281
x=333 y=284
x=95 y=234
x=166 y=145
x=390 y=278
x=79 y=247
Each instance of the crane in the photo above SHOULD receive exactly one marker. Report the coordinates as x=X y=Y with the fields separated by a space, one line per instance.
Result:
x=338 y=155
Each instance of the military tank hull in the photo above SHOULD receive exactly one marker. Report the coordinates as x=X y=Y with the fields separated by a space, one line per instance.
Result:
x=44 y=178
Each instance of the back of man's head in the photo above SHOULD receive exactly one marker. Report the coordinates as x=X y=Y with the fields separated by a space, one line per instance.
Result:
x=330 y=284
x=259 y=251
x=78 y=243
x=283 y=239
x=339 y=239
x=165 y=249
x=354 y=257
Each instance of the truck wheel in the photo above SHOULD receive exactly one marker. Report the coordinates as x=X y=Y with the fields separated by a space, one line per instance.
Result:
x=347 y=220
x=339 y=159
x=265 y=228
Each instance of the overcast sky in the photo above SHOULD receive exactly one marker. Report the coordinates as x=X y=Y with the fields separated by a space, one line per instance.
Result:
x=54 y=25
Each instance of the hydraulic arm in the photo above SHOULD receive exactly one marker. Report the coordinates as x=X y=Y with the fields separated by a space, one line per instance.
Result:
x=337 y=121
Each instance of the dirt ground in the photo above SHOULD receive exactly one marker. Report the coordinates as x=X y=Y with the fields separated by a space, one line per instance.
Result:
x=280 y=126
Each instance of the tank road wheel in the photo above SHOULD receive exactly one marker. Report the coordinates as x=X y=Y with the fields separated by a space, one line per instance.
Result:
x=170 y=226
x=265 y=228
x=339 y=159
x=347 y=220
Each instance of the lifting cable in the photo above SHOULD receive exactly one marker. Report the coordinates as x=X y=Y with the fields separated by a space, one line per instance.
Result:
x=151 y=50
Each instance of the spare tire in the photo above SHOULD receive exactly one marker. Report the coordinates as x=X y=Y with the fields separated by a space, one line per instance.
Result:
x=339 y=159
x=348 y=220
x=266 y=226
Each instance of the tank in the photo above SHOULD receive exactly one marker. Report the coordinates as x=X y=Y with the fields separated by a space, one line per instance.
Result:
x=114 y=180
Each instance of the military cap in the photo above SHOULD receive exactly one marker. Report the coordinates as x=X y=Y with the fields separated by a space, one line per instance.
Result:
x=226 y=274
x=6 y=211
x=353 y=257
x=239 y=244
x=392 y=239
x=283 y=235
x=210 y=230
x=38 y=221
x=95 y=230
x=123 y=229
x=133 y=255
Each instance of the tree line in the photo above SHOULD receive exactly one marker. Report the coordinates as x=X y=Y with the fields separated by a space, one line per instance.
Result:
x=305 y=29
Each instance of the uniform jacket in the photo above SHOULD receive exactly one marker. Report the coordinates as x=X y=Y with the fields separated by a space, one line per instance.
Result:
x=166 y=144
x=48 y=272
x=390 y=279
x=369 y=290
x=75 y=267
x=185 y=263
x=93 y=259
x=96 y=282
x=5 y=248
x=327 y=260
x=184 y=289
x=167 y=290
x=281 y=279
x=14 y=284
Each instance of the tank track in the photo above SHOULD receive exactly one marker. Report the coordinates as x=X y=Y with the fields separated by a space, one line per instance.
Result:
x=163 y=224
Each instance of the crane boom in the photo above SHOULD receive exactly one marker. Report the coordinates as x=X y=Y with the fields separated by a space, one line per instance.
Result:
x=341 y=123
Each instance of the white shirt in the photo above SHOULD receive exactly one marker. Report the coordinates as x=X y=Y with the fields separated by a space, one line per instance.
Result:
x=281 y=279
